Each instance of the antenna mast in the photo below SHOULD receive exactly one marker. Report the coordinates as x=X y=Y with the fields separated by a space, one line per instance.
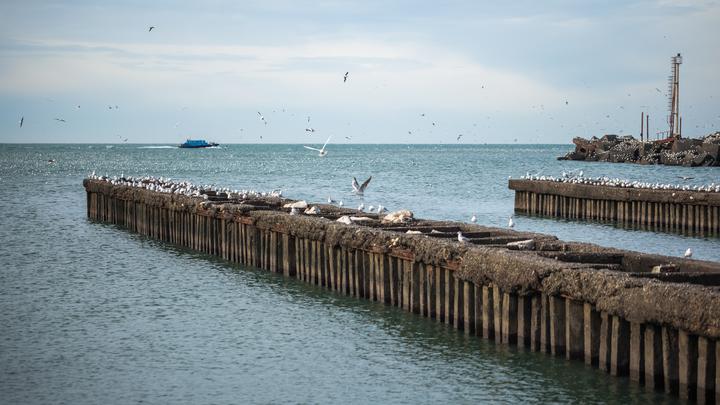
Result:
x=674 y=101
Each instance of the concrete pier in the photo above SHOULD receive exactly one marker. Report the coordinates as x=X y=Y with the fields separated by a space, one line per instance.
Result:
x=687 y=212
x=572 y=300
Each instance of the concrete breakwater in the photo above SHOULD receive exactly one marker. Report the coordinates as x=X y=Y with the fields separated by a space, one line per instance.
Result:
x=579 y=301
x=683 y=211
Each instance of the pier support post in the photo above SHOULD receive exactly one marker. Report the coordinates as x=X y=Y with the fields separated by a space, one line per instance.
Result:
x=497 y=313
x=687 y=365
x=509 y=318
x=670 y=359
x=557 y=326
x=591 y=334
x=706 y=370
x=524 y=306
x=637 y=352
x=535 y=322
x=574 y=329
x=488 y=324
x=653 y=366
x=469 y=307
x=605 y=341
x=620 y=347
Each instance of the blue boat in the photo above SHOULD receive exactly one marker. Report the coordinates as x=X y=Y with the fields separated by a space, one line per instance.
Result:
x=198 y=143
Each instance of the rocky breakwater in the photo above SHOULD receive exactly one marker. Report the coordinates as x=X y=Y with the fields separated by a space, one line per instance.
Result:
x=627 y=149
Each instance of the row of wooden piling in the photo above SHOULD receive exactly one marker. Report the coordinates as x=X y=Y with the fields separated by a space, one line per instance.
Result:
x=687 y=217
x=658 y=356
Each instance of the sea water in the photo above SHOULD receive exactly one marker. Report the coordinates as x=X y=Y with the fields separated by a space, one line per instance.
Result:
x=90 y=313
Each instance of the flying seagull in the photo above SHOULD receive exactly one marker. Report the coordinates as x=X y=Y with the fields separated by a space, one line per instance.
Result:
x=686 y=177
x=22 y=119
x=60 y=120
x=309 y=129
x=151 y=28
x=262 y=118
x=360 y=188
x=322 y=151
x=345 y=77
x=458 y=137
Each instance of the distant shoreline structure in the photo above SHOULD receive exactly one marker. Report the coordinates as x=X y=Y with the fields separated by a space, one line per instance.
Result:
x=627 y=149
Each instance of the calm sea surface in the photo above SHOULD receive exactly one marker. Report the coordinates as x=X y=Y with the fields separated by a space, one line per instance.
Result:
x=90 y=313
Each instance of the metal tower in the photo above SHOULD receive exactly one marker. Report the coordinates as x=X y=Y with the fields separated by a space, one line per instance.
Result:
x=674 y=102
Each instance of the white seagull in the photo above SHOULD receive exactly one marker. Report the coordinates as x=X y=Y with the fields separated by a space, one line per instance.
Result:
x=322 y=151
x=511 y=223
x=462 y=238
x=360 y=188
x=473 y=219
x=688 y=253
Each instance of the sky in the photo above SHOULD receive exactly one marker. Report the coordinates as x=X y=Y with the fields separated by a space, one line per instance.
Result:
x=419 y=71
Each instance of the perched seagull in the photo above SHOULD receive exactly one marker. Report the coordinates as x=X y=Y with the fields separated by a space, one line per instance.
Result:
x=322 y=151
x=22 y=119
x=345 y=77
x=360 y=188
x=688 y=253
x=473 y=219
x=330 y=200
x=340 y=204
x=152 y=27
x=293 y=211
x=60 y=120
x=511 y=223
x=462 y=238
x=361 y=206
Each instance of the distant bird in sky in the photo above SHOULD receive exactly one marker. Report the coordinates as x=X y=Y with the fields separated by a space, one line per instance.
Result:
x=658 y=90
x=458 y=137
x=566 y=102
x=310 y=129
x=686 y=177
x=348 y=138
x=462 y=238
x=152 y=27
x=22 y=119
x=345 y=77
x=60 y=120
x=322 y=151
x=688 y=253
x=262 y=118
x=422 y=114
x=433 y=124
x=360 y=188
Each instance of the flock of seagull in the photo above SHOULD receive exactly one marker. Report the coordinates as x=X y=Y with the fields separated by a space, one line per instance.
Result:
x=167 y=185
x=578 y=178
